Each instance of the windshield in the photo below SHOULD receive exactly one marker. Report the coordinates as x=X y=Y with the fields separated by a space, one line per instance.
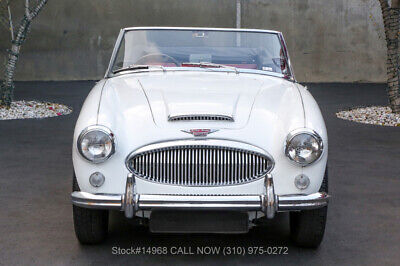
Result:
x=174 y=48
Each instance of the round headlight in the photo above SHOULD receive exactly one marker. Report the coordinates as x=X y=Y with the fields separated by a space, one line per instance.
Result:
x=96 y=143
x=303 y=146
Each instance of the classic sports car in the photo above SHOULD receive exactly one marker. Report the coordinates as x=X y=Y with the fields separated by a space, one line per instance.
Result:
x=200 y=130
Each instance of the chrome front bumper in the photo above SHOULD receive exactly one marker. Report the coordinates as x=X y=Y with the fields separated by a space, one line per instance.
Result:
x=269 y=203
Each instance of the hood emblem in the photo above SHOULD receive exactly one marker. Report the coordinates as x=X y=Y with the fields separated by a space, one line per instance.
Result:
x=200 y=132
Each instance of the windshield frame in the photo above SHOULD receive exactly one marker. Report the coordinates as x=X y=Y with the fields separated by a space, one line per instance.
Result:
x=290 y=76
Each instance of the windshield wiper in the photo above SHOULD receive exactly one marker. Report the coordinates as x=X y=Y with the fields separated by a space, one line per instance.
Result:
x=209 y=65
x=201 y=65
x=136 y=67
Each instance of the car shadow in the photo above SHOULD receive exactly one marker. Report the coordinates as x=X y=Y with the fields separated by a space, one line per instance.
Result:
x=127 y=232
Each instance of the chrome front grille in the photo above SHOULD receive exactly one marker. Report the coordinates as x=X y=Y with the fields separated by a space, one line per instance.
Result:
x=199 y=165
x=205 y=117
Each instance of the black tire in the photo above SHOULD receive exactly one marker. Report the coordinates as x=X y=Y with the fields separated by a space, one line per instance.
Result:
x=91 y=226
x=307 y=227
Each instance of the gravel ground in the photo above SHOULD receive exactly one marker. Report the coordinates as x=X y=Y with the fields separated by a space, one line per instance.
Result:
x=33 y=109
x=374 y=115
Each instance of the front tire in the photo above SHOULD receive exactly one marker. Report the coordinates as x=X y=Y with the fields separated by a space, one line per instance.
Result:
x=91 y=226
x=307 y=227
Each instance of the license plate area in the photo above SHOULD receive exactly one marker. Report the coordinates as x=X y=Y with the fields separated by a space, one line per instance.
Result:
x=182 y=221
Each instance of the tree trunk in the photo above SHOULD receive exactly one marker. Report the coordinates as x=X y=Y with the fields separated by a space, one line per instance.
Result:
x=391 y=22
x=7 y=88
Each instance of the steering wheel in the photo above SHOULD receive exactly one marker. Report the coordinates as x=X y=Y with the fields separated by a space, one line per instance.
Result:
x=147 y=56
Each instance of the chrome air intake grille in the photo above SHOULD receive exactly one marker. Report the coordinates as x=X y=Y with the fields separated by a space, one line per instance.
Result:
x=200 y=117
x=197 y=165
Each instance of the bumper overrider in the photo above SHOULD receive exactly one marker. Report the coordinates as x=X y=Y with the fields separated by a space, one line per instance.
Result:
x=269 y=203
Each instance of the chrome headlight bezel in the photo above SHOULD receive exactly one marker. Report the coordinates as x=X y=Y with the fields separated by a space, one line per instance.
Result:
x=102 y=129
x=309 y=132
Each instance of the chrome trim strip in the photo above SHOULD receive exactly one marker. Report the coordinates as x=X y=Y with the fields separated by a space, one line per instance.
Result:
x=114 y=53
x=200 y=202
x=200 y=117
x=199 y=28
x=286 y=54
x=96 y=201
x=302 y=202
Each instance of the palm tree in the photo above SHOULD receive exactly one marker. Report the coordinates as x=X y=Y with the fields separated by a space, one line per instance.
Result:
x=17 y=39
x=391 y=21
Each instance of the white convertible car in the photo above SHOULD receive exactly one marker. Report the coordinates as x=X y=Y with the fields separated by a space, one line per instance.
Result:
x=200 y=130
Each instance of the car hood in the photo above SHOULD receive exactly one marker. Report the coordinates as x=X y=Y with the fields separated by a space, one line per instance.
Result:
x=231 y=95
x=135 y=107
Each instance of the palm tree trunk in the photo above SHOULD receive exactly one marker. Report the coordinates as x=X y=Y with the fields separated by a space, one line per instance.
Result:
x=391 y=21
x=13 y=54
x=7 y=88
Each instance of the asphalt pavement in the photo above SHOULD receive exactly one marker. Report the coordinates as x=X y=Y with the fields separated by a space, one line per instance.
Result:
x=36 y=225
